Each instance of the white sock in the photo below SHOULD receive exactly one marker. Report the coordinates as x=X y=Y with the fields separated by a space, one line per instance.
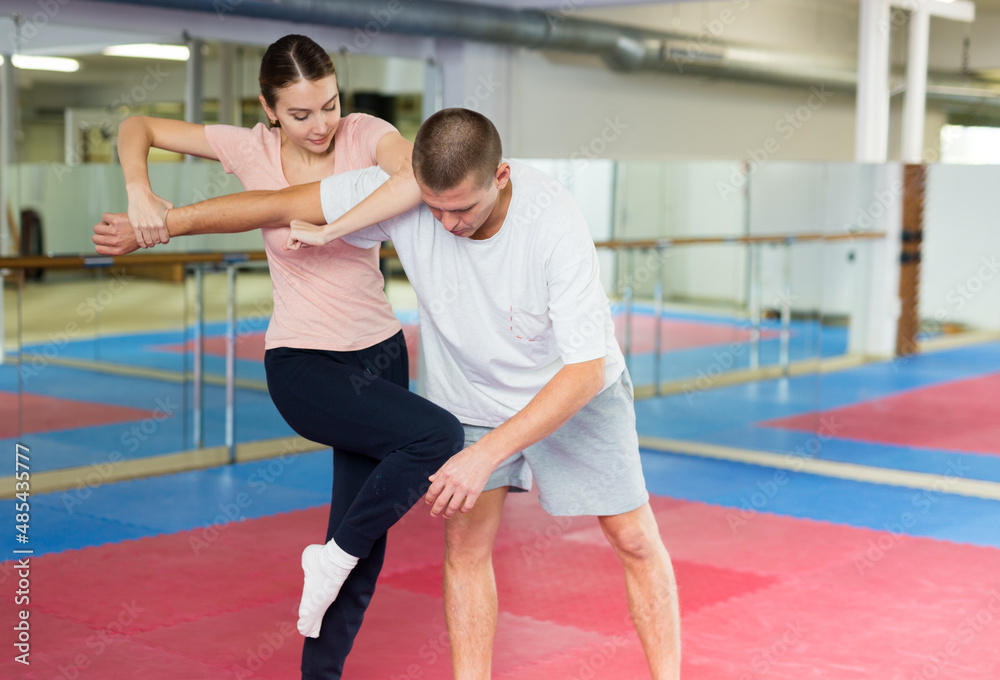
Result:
x=325 y=567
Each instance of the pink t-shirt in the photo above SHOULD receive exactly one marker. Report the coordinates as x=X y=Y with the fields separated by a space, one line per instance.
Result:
x=328 y=298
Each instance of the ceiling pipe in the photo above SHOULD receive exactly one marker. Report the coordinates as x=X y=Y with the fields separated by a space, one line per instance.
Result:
x=623 y=48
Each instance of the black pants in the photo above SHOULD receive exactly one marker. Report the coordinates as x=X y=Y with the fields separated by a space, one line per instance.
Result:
x=386 y=442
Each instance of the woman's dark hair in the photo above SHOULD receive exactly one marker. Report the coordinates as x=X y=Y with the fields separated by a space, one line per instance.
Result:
x=289 y=60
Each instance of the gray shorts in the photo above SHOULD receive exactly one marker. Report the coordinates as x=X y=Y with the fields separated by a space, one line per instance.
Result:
x=589 y=466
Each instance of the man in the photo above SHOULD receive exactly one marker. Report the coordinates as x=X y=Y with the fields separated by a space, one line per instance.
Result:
x=519 y=345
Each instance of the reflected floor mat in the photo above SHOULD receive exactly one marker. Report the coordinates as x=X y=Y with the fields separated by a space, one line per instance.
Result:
x=49 y=414
x=676 y=334
x=958 y=416
x=761 y=596
x=250 y=347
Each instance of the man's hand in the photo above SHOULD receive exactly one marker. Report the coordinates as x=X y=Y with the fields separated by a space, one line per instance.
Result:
x=114 y=236
x=457 y=485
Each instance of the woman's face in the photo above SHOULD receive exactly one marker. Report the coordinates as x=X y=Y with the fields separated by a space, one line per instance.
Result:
x=309 y=112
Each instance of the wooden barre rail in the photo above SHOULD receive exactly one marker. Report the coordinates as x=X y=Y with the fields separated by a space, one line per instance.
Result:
x=102 y=261
x=667 y=242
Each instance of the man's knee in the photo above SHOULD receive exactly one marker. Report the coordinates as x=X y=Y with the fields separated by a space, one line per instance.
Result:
x=632 y=536
x=469 y=537
x=467 y=549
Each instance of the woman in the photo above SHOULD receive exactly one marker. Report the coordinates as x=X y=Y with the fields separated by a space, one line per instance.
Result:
x=331 y=326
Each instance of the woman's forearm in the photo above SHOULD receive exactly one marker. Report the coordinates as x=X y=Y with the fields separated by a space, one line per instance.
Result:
x=135 y=138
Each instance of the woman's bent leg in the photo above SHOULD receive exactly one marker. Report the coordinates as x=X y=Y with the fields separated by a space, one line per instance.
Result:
x=356 y=410
x=310 y=389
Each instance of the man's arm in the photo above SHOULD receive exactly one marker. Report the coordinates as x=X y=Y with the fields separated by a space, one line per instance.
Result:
x=354 y=201
x=396 y=195
x=247 y=211
x=457 y=485
x=240 y=212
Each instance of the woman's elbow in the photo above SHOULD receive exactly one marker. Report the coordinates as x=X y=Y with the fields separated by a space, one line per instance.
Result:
x=131 y=122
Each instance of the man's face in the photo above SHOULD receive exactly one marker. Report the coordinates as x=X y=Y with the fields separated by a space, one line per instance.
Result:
x=467 y=208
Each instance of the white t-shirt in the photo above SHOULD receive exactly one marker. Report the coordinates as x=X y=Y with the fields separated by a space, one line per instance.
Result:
x=498 y=317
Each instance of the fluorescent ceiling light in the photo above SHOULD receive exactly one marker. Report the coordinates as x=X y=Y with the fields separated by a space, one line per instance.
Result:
x=29 y=63
x=149 y=51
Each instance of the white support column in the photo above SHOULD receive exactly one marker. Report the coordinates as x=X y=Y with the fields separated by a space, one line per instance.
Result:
x=915 y=103
x=876 y=308
x=871 y=140
x=478 y=77
x=7 y=122
x=227 y=69
x=433 y=77
x=238 y=75
x=194 y=86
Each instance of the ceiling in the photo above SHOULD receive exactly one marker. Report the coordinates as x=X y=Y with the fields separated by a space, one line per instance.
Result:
x=88 y=38
x=564 y=5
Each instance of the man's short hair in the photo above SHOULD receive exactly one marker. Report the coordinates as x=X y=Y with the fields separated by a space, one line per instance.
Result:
x=453 y=144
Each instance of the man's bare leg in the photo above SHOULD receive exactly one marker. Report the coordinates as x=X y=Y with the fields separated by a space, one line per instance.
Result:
x=651 y=588
x=470 y=590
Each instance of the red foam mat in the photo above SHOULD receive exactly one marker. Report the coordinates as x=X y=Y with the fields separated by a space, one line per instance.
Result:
x=913 y=418
x=250 y=347
x=677 y=335
x=773 y=597
x=48 y=414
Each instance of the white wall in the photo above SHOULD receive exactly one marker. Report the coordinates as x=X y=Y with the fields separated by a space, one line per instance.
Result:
x=704 y=198
x=960 y=272
x=72 y=199
x=576 y=106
